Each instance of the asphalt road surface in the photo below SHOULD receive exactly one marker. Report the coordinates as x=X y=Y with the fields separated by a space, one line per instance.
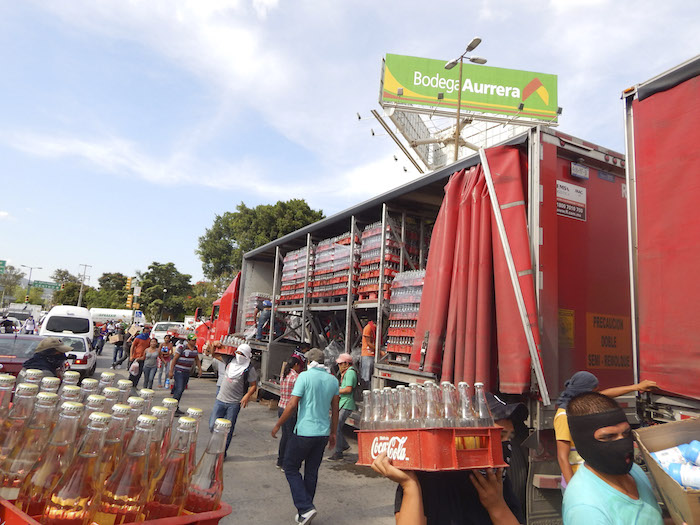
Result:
x=256 y=489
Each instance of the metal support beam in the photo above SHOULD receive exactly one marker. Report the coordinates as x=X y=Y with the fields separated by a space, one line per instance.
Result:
x=350 y=296
x=421 y=242
x=380 y=290
x=397 y=141
x=305 y=304
x=273 y=312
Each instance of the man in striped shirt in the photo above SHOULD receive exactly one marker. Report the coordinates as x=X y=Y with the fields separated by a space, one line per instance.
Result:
x=181 y=367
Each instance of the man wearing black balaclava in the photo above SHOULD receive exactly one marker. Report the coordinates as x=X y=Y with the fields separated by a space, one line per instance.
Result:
x=609 y=488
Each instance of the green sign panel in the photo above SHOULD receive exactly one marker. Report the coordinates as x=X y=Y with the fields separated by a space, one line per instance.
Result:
x=484 y=89
x=2 y=267
x=47 y=285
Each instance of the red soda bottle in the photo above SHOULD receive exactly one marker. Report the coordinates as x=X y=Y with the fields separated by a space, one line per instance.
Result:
x=166 y=496
x=124 y=386
x=207 y=483
x=52 y=462
x=155 y=451
x=7 y=385
x=135 y=410
x=73 y=501
x=125 y=491
x=114 y=440
x=32 y=441
x=196 y=414
x=22 y=407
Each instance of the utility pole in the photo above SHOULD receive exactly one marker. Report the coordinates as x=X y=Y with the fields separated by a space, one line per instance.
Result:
x=29 y=281
x=82 y=282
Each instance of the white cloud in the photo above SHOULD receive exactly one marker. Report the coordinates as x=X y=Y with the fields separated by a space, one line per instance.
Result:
x=5 y=215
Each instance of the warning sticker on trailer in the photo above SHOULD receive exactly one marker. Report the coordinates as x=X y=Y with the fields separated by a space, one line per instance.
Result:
x=567 y=323
x=608 y=341
x=571 y=200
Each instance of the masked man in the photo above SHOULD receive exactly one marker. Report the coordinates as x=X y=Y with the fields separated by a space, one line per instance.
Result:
x=610 y=488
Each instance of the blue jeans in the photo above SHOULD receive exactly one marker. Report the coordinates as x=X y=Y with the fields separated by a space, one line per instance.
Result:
x=181 y=378
x=162 y=370
x=118 y=351
x=340 y=442
x=227 y=411
x=149 y=372
x=264 y=318
x=287 y=430
x=308 y=450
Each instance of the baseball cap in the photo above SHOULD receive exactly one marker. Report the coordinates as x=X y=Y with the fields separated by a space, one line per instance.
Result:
x=52 y=342
x=502 y=410
x=344 y=358
x=315 y=355
x=191 y=337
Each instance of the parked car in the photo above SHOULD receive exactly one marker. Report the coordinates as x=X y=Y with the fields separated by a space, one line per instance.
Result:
x=161 y=329
x=81 y=359
x=10 y=325
x=15 y=349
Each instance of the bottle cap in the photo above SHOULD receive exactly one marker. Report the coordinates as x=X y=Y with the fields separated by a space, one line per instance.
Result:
x=146 y=393
x=478 y=384
x=71 y=375
x=27 y=388
x=72 y=407
x=89 y=384
x=110 y=391
x=71 y=389
x=136 y=402
x=33 y=373
x=121 y=410
x=7 y=380
x=159 y=411
x=170 y=401
x=47 y=397
x=463 y=384
x=123 y=384
x=195 y=412
x=412 y=384
x=96 y=399
x=107 y=376
x=366 y=392
x=223 y=424
x=50 y=381
x=187 y=422
x=100 y=417
x=146 y=420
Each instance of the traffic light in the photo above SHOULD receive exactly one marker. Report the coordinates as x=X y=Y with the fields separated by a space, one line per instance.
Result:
x=63 y=286
x=129 y=299
x=137 y=306
x=128 y=283
x=26 y=298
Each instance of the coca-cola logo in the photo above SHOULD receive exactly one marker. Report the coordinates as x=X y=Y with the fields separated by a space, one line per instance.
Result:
x=393 y=446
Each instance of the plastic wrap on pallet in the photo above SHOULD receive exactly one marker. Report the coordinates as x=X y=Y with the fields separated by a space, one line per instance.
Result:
x=251 y=306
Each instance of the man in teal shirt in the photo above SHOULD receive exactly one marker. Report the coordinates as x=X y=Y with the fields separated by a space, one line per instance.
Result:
x=316 y=395
x=609 y=489
x=348 y=383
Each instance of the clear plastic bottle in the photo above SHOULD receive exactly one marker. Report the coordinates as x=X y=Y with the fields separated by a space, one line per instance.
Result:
x=106 y=379
x=49 y=384
x=481 y=406
x=69 y=393
x=87 y=388
x=114 y=440
x=52 y=462
x=22 y=407
x=32 y=441
x=7 y=385
x=111 y=398
x=366 y=410
x=196 y=414
x=125 y=491
x=136 y=405
x=168 y=490
x=74 y=498
x=147 y=395
x=94 y=403
x=207 y=483
x=124 y=386
x=70 y=378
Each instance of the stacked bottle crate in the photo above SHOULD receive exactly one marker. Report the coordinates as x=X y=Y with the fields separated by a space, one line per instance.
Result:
x=251 y=306
x=332 y=263
x=294 y=272
x=371 y=259
x=406 y=292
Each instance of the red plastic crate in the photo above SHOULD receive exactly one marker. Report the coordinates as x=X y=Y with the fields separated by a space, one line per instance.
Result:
x=433 y=449
x=11 y=515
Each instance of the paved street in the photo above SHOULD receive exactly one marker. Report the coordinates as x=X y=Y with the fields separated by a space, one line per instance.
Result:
x=257 y=490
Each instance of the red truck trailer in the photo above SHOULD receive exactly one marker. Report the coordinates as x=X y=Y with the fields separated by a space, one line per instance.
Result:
x=663 y=162
x=222 y=318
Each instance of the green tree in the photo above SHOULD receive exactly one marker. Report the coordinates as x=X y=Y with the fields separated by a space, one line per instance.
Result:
x=153 y=299
x=222 y=246
x=112 y=281
x=10 y=282
x=69 y=295
x=62 y=276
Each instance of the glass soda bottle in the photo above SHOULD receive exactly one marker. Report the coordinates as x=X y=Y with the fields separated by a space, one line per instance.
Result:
x=414 y=410
x=377 y=403
x=52 y=462
x=49 y=384
x=94 y=403
x=196 y=414
x=32 y=376
x=155 y=447
x=106 y=379
x=163 y=416
x=366 y=410
x=404 y=399
x=114 y=440
x=482 y=406
x=7 y=385
x=73 y=500
x=87 y=388
x=22 y=407
x=207 y=483
x=432 y=405
x=466 y=416
x=70 y=378
x=449 y=404
x=147 y=395
x=171 y=404
x=125 y=491
x=111 y=398
x=69 y=393
x=168 y=490
x=32 y=441
x=124 y=386
x=136 y=405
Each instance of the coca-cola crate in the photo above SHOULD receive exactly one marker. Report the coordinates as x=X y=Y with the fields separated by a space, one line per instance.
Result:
x=11 y=515
x=399 y=349
x=402 y=332
x=433 y=449
x=403 y=315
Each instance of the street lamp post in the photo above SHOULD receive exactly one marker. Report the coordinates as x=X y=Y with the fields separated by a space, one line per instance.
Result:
x=29 y=282
x=452 y=63
x=160 y=316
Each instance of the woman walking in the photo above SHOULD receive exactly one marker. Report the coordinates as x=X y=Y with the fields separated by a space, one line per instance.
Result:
x=165 y=354
x=150 y=363
x=295 y=366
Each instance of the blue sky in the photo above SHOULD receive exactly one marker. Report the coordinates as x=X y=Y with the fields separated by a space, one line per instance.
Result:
x=128 y=125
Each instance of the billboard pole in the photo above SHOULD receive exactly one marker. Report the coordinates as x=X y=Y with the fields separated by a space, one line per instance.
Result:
x=459 y=107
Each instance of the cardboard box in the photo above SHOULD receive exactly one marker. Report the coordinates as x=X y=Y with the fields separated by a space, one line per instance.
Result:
x=683 y=504
x=116 y=338
x=134 y=329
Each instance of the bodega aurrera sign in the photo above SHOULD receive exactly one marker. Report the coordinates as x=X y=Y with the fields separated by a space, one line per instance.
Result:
x=418 y=81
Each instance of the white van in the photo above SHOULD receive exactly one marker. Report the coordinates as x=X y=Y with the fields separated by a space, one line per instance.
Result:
x=64 y=320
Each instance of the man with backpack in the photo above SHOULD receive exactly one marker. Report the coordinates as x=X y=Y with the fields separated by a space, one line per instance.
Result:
x=348 y=386
x=237 y=387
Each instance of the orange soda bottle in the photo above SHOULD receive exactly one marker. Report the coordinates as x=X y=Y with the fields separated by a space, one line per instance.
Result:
x=7 y=385
x=87 y=388
x=69 y=393
x=196 y=414
x=125 y=491
x=147 y=394
x=73 y=500
x=124 y=386
x=49 y=384
x=32 y=441
x=207 y=482
x=30 y=375
x=22 y=407
x=171 y=404
x=168 y=490
x=94 y=403
x=114 y=440
x=135 y=410
x=111 y=398
x=52 y=462
x=70 y=378
x=106 y=379
x=155 y=451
